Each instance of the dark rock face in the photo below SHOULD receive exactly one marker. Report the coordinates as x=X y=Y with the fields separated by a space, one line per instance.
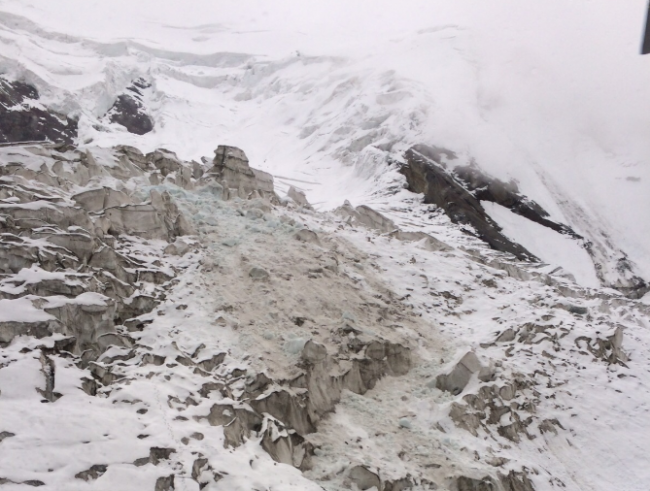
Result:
x=514 y=481
x=467 y=484
x=636 y=287
x=426 y=173
x=22 y=119
x=129 y=111
x=459 y=192
x=486 y=188
x=95 y=472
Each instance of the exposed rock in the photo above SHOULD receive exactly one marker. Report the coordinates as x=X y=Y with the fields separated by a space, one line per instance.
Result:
x=550 y=426
x=398 y=484
x=87 y=320
x=282 y=406
x=459 y=192
x=429 y=242
x=468 y=484
x=159 y=220
x=258 y=274
x=75 y=258
x=363 y=478
x=516 y=481
x=165 y=483
x=129 y=110
x=178 y=248
x=574 y=309
x=170 y=169
x=456 y=380
x=285 y=446
x=298 y=197
x=306 y=235
x=609 y=349
x=231 y=169
x=156 y=454
x=6 y=434
x=24 y=216
x=238 y=423
x=506 y=336
x=425 y=173
x=367 y=217
x=34 y=483
x=48 y=369
x=9 y=330
x=95 y=472
x=96 y=200
x=463 y=418
x=314 y=352
x=289 y=408
x=24 y=119
x=211 y=363
x=486 y=188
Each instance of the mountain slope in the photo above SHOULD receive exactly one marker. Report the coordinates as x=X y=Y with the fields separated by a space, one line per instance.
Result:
x=273 y=337
x=473 y=318
x=334 y=108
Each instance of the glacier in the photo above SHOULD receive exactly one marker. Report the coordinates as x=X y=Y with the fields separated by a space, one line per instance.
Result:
x=173 y=318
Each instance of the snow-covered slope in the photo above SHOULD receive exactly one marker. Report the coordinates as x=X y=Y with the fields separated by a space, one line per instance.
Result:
x=160 y=332
x=326 y=94
x=273 y=346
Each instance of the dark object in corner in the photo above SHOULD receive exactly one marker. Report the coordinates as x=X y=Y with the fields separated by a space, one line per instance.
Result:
x=22 y=119
x=645 y=47
x=128 y=109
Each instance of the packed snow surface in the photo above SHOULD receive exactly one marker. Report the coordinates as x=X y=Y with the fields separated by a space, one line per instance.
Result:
x=551 y=247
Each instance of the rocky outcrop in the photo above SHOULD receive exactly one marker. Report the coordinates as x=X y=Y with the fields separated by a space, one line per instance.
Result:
x=129 y=110
x=298 y=197
x=63 y=254
x=425 y=173
x=24 y=119
x=94 y=472
x=287 y=411
x=609 y=349
x=363 y=478
x=506 y=194
x=231 y=169
x=458 y=378
x=459 y=191
x=514 y=481
x=365 y=216
x=93 y=245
